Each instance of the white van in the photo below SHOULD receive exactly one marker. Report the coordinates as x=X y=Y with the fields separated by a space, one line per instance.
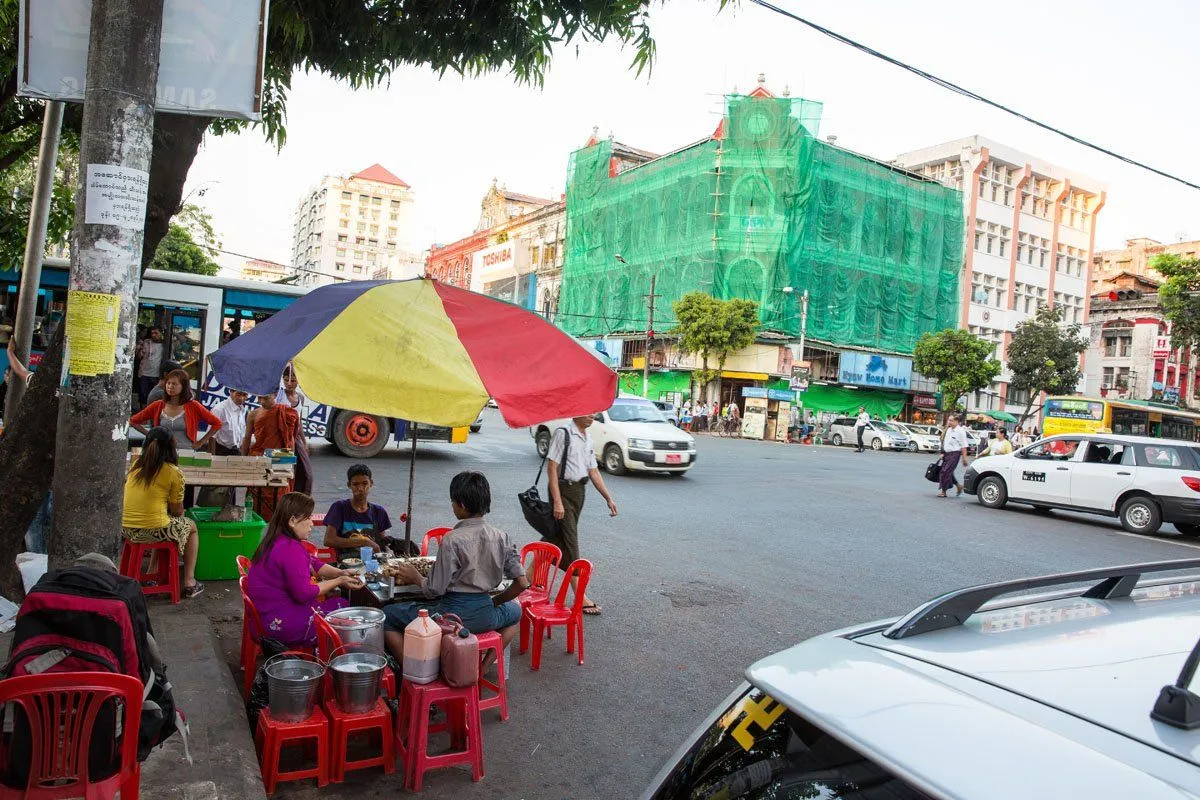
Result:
x=631 y=435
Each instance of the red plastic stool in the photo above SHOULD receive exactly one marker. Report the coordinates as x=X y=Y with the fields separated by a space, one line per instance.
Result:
x=412 y=729
x=270 y=737
x=167 y=574
x=344 y=724
x=498 y=698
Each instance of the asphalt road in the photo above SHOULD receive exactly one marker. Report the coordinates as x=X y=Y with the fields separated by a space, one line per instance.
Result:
x=760 y=546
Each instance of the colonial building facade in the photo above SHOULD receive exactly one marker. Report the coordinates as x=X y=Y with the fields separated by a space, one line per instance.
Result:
x=1130 y=355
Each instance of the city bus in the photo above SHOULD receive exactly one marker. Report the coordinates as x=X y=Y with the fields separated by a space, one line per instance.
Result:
x=196 y=314
x=1128 y=417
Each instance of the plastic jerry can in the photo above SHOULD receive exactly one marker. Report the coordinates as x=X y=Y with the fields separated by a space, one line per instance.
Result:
x=422 y=649
x=460 y=654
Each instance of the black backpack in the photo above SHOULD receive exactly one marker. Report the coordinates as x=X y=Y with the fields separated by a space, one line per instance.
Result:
x=90 y=620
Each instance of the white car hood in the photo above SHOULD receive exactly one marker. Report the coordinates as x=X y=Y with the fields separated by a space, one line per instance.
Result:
x=660 y=431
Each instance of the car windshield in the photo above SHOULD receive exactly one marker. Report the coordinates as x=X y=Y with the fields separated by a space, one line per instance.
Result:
x=635 y=411
x=760 y=749
x=894 y=427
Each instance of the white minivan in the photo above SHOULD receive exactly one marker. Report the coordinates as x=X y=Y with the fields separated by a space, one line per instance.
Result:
x=1142 y=481
x=632 y=435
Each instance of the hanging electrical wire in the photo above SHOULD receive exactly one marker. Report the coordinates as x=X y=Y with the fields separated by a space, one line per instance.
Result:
x=945 y=84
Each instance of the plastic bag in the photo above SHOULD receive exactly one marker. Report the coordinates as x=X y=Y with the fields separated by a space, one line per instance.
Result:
x=260 y=697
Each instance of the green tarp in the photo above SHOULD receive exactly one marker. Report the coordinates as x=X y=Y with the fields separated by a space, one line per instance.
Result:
x=839 y=400
x=766 y=206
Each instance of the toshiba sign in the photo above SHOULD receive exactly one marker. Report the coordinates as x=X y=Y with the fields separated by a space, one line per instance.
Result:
x=497 y=262
x=498 y=257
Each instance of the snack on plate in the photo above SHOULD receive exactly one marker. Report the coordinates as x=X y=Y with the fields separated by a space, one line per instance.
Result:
x=423 y=565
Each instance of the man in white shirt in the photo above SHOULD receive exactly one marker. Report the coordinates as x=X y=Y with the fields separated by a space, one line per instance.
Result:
x=954 y=450
x=568 y=479
x=232 y=413
x=860 y=427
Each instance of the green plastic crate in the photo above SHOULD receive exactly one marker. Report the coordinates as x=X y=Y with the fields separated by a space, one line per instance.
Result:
x=222 y=542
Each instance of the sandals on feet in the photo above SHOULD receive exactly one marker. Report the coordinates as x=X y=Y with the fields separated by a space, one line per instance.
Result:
x=194 y=590
x=593 y=610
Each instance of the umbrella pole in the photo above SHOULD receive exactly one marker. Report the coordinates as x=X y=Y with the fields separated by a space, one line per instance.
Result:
x=412 y=468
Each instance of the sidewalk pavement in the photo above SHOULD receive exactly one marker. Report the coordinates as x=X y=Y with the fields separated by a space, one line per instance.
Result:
x=224 y=766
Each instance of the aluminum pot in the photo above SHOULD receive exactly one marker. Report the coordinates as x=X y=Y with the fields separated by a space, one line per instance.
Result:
x=292 y=683
x=357 y=679
x=359 y=627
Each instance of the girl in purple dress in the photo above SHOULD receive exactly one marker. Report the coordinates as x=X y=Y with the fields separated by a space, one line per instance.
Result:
x=286 y=583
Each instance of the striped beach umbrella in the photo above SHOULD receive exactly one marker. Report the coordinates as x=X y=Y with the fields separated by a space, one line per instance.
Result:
x=422 y=351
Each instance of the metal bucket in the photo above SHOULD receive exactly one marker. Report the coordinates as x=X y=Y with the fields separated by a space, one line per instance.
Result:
x=359 y=627
x=357 y=678
x=292 y=683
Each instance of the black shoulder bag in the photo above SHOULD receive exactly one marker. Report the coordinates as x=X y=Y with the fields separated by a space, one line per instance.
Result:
x=539 y=513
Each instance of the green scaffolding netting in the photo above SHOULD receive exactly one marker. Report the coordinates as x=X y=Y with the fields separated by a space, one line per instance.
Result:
x=764 y=206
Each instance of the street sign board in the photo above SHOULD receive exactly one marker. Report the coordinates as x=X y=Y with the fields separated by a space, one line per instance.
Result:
x=1162 y=346
x=210 y=62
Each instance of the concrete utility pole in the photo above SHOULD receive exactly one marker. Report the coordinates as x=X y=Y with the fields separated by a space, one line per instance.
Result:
x=106 y=248
x=649 y=339
x=35 y=247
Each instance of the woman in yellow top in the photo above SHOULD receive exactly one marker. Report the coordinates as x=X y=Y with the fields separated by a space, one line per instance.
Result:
x=153 y=510
x=1000 y=446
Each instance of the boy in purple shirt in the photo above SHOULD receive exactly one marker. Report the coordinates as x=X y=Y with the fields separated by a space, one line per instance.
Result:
x=356 y=522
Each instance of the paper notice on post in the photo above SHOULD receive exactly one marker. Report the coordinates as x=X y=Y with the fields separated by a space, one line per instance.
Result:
x=116 y=195
x=92 y=332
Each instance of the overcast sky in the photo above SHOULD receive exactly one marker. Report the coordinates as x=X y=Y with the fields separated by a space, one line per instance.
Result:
x=1113 y=72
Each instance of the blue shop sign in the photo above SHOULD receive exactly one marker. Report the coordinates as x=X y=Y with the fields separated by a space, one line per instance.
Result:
x=769 y=394
x=875 y=370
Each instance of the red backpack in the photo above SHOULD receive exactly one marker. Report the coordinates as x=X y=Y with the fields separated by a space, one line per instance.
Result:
x=89 y=620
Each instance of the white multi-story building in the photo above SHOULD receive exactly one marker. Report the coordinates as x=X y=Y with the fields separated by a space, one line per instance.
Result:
x=1031 y=233
x=258 y=269
x=355 y=228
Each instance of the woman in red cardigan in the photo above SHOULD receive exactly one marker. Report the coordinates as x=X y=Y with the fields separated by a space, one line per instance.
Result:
x=178 y=413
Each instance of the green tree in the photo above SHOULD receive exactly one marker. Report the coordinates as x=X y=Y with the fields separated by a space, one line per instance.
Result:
x=189 y=245
x=178 y=252
x=959 y=361
x=712 y=328
x=360 y=43
x=16 y=189
x=1180 y=297
x=1044 y=356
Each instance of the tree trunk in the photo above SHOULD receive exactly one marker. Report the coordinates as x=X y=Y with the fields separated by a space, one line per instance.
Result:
x=27 y=451
x=176 y=140
x=27 y=463
x=106 y=258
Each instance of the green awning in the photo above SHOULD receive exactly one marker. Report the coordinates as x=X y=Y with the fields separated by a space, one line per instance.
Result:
x=839 y=400
x=1000 y=416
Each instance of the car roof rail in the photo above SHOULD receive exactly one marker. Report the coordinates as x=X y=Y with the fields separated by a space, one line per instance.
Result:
x=954 y=608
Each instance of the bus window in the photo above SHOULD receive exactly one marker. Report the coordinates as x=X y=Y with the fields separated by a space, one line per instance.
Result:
x=1178 y=428
x=1129 y=422
x=185 y=341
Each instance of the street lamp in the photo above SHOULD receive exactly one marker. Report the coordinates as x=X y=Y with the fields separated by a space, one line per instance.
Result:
x=803 y=315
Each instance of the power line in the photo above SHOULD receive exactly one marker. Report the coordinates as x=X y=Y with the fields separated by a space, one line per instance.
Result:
x=945 y=84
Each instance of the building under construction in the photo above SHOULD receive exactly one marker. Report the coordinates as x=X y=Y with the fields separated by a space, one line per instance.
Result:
x=761 y=205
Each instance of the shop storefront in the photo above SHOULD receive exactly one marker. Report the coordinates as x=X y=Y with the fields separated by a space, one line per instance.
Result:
x=923 y=409
x=503 y=271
